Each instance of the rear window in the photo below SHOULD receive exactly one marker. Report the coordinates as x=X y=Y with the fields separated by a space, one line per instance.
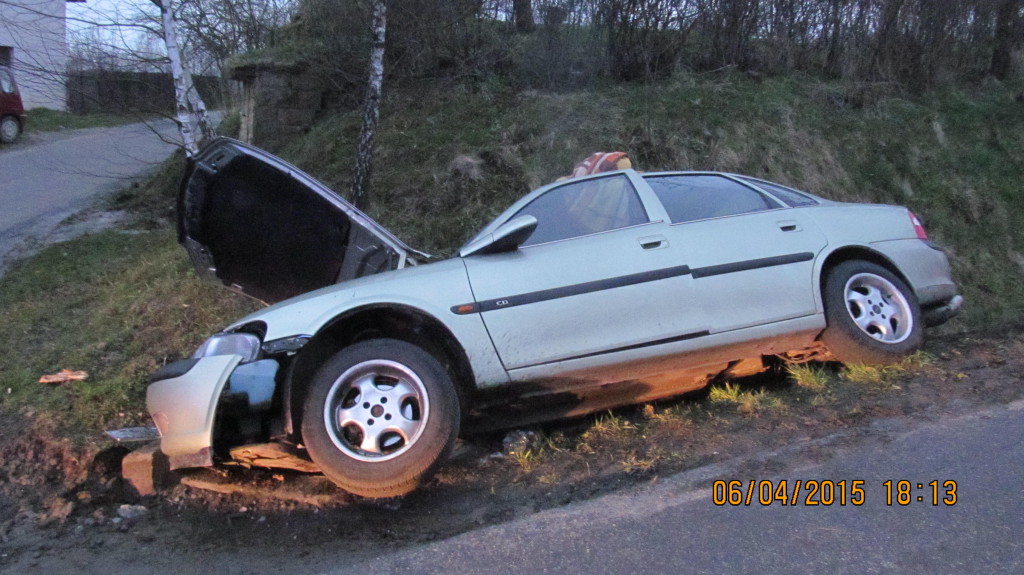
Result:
x=791 y=197
x=689 y=198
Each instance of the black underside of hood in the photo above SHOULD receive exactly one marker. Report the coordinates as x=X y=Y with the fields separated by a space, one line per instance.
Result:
x=260 y=226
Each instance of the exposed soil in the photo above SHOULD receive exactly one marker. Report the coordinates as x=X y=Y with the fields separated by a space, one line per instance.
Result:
x=64 y=508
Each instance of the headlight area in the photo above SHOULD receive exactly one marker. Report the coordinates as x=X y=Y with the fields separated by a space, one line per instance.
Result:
x=249 y=406
x=251 y=385
x=229 y=393
x=246 y=345
x=247 y=397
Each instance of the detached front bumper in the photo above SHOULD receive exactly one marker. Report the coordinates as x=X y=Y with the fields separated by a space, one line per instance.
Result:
x=182 y=400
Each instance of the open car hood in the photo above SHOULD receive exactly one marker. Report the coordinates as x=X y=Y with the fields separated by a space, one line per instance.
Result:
x=261 y=226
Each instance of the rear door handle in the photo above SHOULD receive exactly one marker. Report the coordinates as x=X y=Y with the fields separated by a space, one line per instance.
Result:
x=789 y=226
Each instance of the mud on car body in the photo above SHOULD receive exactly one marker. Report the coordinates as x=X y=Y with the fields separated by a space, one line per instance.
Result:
x=588 y=293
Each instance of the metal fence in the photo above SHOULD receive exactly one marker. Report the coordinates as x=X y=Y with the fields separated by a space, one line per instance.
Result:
x=117 y=92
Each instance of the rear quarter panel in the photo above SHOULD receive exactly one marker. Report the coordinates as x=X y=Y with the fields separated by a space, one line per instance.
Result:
x=888 y=232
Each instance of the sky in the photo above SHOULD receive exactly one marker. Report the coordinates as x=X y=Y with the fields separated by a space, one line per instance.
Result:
x=113 y=25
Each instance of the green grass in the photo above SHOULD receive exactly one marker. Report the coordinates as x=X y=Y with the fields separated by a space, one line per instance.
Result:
x=884 y=376
x=46 y=120
x=811 y=376
x=745 y=401
x=117 y=305
x=450 y=157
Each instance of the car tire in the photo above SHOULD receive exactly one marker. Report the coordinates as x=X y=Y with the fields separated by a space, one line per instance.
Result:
x=873 y=316
x=380 y=417
x=9 y=129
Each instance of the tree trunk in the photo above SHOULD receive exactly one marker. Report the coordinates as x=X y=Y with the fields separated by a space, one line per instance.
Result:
x=833 y=66
x=181 y=107
x=886 y=36
x=1005 y=40
x=186 y=97
x=364 y=156
x=522 y=15
x=198 y=105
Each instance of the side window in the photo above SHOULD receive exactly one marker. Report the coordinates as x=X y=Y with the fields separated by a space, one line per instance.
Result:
x=6 y=85
x=582 y=208
x=700 y=197
x=791 y=197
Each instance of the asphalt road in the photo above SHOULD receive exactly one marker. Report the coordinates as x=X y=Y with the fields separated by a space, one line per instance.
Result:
x=52 y=176
x=674 y=526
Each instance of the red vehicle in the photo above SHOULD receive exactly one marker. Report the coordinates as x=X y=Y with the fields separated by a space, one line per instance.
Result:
x=12 y=112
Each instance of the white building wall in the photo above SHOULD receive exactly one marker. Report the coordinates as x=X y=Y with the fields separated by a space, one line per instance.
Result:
x=36 y=30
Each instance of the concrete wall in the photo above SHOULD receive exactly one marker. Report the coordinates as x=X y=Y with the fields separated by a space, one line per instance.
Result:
x=35 y=31
x=277 y=103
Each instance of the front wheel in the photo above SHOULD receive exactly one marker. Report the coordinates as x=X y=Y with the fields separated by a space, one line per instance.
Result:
x=9 y=129
x=873 y=316
x=380 y=417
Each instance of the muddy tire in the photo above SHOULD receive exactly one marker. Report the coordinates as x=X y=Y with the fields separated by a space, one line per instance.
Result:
x=380 y=417
x=9 y=129
x=873 y=316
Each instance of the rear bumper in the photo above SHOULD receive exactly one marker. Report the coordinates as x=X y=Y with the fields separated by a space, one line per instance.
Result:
x=925 y=267
x=183 y=402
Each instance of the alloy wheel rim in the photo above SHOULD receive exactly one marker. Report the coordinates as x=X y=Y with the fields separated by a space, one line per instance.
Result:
x=878 y=308
x=376 y=410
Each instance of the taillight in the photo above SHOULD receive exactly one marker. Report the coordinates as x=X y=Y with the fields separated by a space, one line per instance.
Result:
x=918 y=228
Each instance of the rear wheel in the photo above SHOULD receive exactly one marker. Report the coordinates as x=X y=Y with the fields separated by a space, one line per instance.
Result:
x=9 y=129
x=873 y=316
x=380 y=417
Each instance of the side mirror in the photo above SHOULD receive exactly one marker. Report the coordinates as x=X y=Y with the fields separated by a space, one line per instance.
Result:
x=508 y=237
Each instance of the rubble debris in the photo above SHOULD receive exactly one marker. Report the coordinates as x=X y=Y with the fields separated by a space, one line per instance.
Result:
x=521 y=441
x=132 y=512
x=64 y=376
x=274 y=455
x=147 y=469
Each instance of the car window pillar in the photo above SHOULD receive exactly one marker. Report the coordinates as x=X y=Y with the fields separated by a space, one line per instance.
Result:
x=655 y=210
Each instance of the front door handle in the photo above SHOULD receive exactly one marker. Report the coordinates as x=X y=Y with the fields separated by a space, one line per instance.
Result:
x=653 y=242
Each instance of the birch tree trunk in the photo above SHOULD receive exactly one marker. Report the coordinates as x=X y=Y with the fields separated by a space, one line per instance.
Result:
x=198 y=105
x=186 y=98
x=371 y=113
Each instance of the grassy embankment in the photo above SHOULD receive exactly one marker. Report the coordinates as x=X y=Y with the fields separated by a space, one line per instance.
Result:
x=120 y=303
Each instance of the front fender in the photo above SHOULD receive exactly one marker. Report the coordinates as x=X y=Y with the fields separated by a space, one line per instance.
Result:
x=432 y=290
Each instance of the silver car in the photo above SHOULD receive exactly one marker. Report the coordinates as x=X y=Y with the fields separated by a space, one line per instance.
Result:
x=617 y=288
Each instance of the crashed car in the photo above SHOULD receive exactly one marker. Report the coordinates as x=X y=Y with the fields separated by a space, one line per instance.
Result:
x=597 y=291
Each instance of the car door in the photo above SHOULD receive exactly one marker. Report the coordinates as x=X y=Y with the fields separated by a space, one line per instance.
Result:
x=751 y=256
x=261 y=226
x=597 y=277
